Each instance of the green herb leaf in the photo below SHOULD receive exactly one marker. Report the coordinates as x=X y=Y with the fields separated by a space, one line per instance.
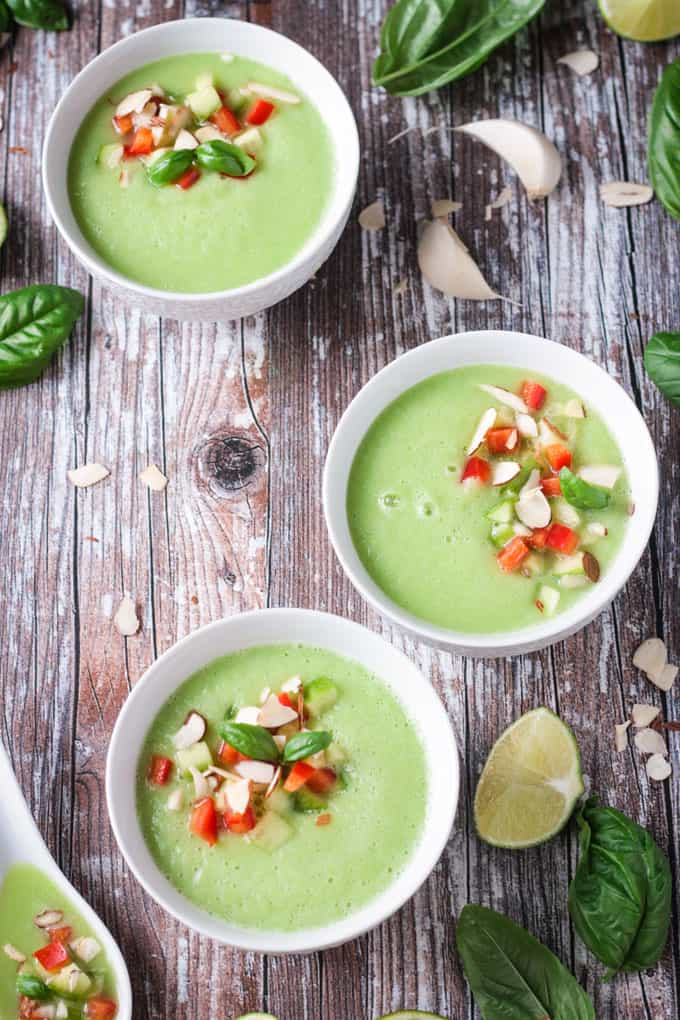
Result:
x=169 y=167
x=224 y=158
x=34 y=323
x=253 y=741
x=582 y=494
x=32 y=987
x=620 y=896
x=662 y=361
x=48 y=14
x=6 y=21
x=664 y=140
x=302 y=745
x=427 y=43
x=512 y=974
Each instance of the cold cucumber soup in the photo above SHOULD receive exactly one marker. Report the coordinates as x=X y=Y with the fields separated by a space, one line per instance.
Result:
x=200 y=172
x=484 y=499
x=282 y=787
x=51 y=965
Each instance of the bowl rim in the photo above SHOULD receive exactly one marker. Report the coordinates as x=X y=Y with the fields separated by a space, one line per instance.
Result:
x=371 y=396
x=441 y=748
x=98 y=267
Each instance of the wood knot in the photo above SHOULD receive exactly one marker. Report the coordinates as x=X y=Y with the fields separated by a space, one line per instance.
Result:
x=229 y=463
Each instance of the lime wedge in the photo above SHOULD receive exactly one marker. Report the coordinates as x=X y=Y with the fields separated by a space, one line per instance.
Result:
x=412 y=1014
x=643 y=20
x=530 y=783
x=3 y=225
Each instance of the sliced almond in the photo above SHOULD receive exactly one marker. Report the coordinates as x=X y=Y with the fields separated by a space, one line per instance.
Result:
x=580 y=61
x=523 y=531
x=447 y=265
x=273 y=714
x=549 y=433
x=185 y=140
x=591 y=567
x=175 y=801
x=86 y=948
x=238 y=796
x=248 y=714
x=274 y=783
x=126 y=620
x=486 y=422
x=651 y=657
x=264 y=694
x=193 y=729
x=13 y=953
x=621 y=735
x=533 y=509
x=597 y=529
x=574 y=409
x=566 y=513
x=442 y=207
x=503 y=471
x=208 y=133
x=571 y=581
x=666 y=678
x=154 y=478
x=48 y=919
x=373 y=216
x=46 y=1010
x=526 y=425
x=505 y=397
x=650 y=742
x=643 y=715
x=201 y=785
x=658 y=768
x=259 y=772
x=292 y=685
x=134 y=102
x=512 y=440
x=532 y=482
x=280 y=740
x=271 y=92
x=604 y=475
x=622 y=194
x=88 y=474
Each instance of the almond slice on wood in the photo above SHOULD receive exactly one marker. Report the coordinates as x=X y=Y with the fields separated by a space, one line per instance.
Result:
x=533 y=509
x=126 y=620
x=486 y=422
x=259 y=772
x=273 y=714
x=622 y=194
x=621 y=735
x=650 y=657
x=650 y=742
x=447 y=265
x=642 y=715
x=373 y=216
x=443 y=207
x=88 y=474
x=580 y=61
x=665 y=680
x=658 y=768
x=192 y=730
x=503 y=471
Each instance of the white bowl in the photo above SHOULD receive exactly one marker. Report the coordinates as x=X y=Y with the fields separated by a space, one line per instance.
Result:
x=496 y=347
x=214 y=35
x=272 y=626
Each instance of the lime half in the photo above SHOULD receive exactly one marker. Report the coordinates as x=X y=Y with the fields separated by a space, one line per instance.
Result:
x=530 y=783
x=3 y=225
x=412 y=1014
x=643 y=20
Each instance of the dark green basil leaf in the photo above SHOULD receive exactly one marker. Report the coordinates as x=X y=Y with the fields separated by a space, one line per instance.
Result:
x=302 y=745
x=427 y=43
x=34 y=323
x=662 y=361
x=512 y=975
x=582 y=494
x=224 y=158
x=620 y=896
x=32 y=987
x=169 y=167
x=47 y=14
x=664 y=140
x=253 y=741
x=6 y=22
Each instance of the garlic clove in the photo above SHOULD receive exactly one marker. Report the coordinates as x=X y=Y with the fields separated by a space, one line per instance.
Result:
x=532 y=156
x=442 y=207
x=373 y=216
x=126 y=620
x=447 y=266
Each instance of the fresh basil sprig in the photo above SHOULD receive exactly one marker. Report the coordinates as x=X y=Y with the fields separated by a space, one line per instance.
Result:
x=48 y=14
x=664 y=140
x=224 y=158
x=582 y=494
x=426 y=43
x=169 y=167
x=253 y=741
x=303 y=745
x=34 y=322
x=662 y=360
x=32 y=987
x=620 y=896
x=512 y=974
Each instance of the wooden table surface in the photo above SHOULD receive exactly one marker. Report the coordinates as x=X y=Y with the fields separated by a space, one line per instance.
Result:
x=239 y=416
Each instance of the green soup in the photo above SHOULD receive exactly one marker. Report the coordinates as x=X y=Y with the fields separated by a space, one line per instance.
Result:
x=321 y=872
x=24 y=894
x=425 y=538
x=221 y=232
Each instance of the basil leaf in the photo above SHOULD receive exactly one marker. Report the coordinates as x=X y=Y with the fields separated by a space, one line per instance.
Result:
x=224 y=158
x=253 y=741
x=34 y=323
x=582 y=494
x=169 y=167
x=662 y=361
x=427 y=43
x=664 y=140
x=512 y=974
x=47 y=14
x=302 y=745
x=620 y=896
x=32 y=987
x=6 y=22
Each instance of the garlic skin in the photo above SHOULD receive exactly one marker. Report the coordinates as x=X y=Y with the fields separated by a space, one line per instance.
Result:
x=529 y=152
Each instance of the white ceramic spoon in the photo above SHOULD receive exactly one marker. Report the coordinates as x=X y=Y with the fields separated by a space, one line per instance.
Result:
x=21 y=843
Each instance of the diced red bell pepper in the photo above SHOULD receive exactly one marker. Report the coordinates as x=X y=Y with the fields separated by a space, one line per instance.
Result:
x=227 y=754
x=225 y=121
x=551 y=486
x=204 y=821
x=511 y=555
x=99 y=1008
x=501 y=440
x=142 y=143
x=123 y=125
x=260 y=112
x=286 y=700
x=323 y=780
x=188 y=178
x=62 y=934
x=562 y=539
x=160 y=769
x=324 y=819
x=478 y=469
x=241 y=823
x=53 y=956
x=533 y=394
x=537 y=538
x=558 y=456
x=298 y=776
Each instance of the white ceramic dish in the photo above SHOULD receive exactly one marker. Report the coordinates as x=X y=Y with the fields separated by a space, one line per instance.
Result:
x=214 y=35
x=271 y=626
x=21 y=843
x=531 y=353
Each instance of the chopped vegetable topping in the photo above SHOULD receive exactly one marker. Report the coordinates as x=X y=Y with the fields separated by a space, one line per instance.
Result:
x=477 y=470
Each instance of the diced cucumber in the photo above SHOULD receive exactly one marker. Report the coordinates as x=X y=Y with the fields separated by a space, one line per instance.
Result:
x=336 y=754
x=569 y=564
x=569 y=581
x=250 y=140
x=204 y=102
x=320 y=695
x=197 y=756
x=257 y=1016
x=71 y=981
x=110 y=156
x=501 y=533
x=502 y=513
x=271 y=832
x=236 y=100
x=535 y=564
x=204 y=81
x=279 y=801
x=549 y=599
x=156 y=155
x=304 y=800
x=565 y=513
